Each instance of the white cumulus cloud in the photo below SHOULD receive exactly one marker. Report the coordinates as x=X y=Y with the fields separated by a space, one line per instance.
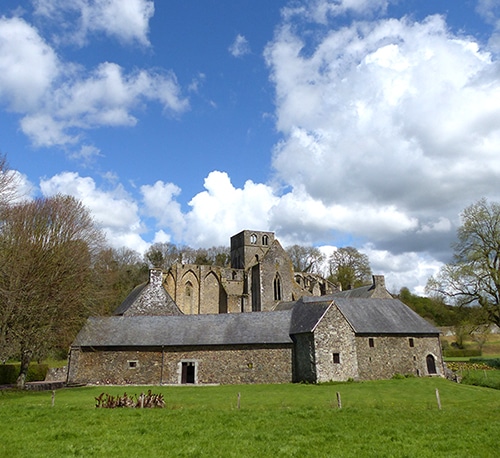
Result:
x=127 y=21
x=115 y=211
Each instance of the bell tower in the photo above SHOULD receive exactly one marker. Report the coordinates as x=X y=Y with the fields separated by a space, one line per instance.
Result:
x=248 y=248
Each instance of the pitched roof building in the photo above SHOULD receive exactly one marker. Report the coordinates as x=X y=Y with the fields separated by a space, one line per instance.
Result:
x=153 y=339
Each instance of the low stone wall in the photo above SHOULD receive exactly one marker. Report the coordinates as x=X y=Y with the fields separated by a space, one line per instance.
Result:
x=213 y=365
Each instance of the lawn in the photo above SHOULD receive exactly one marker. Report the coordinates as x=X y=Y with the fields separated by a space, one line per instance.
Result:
x=383 y=418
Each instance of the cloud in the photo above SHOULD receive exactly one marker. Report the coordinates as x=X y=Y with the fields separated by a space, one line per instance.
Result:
x=223 y=210
x=389 y=127
x=115 y=211
x=320 y=11
x=59 y=101
x=21 y=51
x=240 y=46
x=159 y=202
x=128 y=21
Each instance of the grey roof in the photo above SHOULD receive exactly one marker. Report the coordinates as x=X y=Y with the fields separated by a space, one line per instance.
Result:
x=306 y=315
x=130 y=299
x=383 y=316
x=223 y=329
x=361 y=292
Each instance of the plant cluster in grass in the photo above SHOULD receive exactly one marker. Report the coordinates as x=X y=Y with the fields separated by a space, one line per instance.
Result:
x=379 y=418
x=143 y=401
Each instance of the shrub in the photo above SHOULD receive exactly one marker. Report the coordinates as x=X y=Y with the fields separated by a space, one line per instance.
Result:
x=10 y=372
x=149 y=400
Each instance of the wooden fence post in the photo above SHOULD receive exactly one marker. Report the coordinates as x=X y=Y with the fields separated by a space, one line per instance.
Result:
x=238 y=403
x=438 y=398
x=339 y=401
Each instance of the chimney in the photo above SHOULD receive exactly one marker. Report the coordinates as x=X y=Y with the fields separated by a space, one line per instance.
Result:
x=378 y=282
x=156 y=278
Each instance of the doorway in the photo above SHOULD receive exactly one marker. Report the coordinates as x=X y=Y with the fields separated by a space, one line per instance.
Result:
x=431 y=365
x=188 y=374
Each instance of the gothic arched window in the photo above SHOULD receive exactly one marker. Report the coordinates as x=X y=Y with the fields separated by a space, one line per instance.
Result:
x=277 y=288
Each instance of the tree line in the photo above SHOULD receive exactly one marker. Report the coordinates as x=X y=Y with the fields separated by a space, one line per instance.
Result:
x=56 y=270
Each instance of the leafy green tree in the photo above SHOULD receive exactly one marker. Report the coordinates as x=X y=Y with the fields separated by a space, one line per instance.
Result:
x=349 y=268
x=473 y=277
x=47 y=249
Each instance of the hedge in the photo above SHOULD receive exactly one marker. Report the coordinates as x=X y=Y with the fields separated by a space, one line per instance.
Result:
x=460 y=352
x=492 y=362
x=10 y=372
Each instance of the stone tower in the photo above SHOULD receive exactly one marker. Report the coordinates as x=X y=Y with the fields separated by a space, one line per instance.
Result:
x=249 y=247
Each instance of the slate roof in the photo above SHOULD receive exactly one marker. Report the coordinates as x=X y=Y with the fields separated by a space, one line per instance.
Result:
x=130 y=299
x=361 y=292
x=306 y=315
x=383 y=316
x=188 y=330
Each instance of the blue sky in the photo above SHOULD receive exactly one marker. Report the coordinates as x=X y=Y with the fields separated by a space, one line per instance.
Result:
x=370 y=123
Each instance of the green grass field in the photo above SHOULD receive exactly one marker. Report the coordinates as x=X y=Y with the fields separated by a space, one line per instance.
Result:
x=398 y=418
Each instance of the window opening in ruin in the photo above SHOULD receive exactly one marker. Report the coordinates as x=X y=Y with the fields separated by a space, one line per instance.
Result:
x=188 y=372
x=277 y=288
x=265 y=240
x=336 y=358
x=431 y=364
x=132 y=364
x=371 y=342
x=411 y=342
x=253 y=239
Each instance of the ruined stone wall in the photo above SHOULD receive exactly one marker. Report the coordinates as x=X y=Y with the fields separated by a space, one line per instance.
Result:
x=200 y=289
x=393 y=355
x=225 y=365
x=334 y=336
x=276 y=264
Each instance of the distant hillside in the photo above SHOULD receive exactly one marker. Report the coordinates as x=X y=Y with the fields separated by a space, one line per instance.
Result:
x=433 y=310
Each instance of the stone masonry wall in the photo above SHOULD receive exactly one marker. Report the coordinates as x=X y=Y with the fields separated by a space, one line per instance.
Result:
x=393 y=355
x=224 y=365
x=334 y=335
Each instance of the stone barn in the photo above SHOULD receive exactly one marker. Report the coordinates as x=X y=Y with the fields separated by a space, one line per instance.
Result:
x=255 y=322
x=314 y=339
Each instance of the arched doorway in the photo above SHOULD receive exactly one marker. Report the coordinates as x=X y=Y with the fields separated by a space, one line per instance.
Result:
x=431 y=364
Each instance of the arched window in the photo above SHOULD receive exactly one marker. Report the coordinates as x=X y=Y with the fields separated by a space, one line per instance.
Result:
x=265 y=240
x=431 y=364
x=253 y=239
x=277 y=288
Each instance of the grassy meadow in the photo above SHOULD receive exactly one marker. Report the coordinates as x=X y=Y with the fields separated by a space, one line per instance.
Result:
x=398 y=418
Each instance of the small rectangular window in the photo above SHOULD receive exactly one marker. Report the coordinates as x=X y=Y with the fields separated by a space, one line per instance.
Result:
x=411 y=342
x=132 y=364
x=336 y=358
x=371 y=342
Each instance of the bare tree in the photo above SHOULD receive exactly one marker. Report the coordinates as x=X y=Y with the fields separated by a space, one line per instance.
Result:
x=162 y=255
x=116 y=273
x=305 y=258
x=47 y=247
x=9 y=183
